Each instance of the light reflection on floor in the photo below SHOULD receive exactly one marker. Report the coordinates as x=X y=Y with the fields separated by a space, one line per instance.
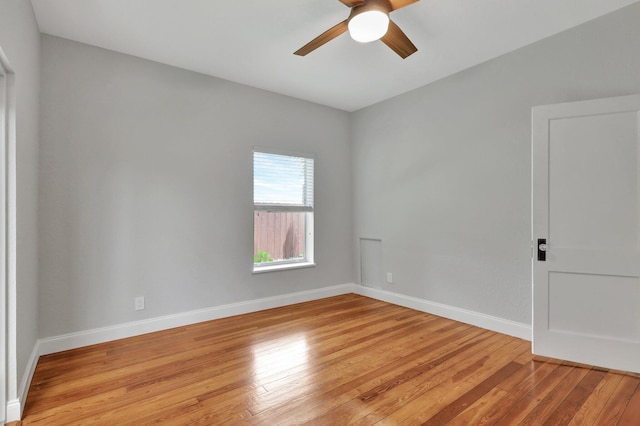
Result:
x=276 y=359
x=280 y=368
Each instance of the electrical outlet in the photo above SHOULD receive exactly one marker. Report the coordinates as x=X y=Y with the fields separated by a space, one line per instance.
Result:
x=389 y=277
x=139 y=303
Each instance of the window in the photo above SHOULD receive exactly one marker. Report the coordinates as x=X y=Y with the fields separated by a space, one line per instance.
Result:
x=282 y=210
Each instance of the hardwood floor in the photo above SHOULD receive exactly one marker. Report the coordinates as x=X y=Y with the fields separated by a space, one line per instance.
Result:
x=342 y=360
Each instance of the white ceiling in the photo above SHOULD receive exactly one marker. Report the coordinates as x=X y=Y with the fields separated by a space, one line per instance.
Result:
x=252 y=41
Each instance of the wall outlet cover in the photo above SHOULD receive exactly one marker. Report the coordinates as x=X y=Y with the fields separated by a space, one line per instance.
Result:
x=139 y=303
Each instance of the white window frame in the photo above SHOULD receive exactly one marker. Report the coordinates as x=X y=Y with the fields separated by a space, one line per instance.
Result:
x=308 y=260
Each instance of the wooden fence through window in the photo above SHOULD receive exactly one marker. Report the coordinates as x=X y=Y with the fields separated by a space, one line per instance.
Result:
x=280 y=234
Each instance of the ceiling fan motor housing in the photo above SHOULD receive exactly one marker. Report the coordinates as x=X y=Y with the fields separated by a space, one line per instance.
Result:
x=383 y=6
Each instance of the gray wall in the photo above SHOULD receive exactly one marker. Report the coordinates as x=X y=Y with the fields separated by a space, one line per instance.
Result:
x=442 y=173
x=20 y=41
x=146 y=179
x=146 y=188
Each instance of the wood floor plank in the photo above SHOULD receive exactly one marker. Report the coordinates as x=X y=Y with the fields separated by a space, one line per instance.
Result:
x=574 y=399
x=442 y=395
x=534 y=374
x=454 y=408
x=342 y=360
x=520 y=409
x=486 y=410
x=475 y=413
x=617 y=404
x=410 y=392
x=338 y=366
x=552 y=401
x=433 y=372
x=597 y=400
x=631 y=415
x=351 y=381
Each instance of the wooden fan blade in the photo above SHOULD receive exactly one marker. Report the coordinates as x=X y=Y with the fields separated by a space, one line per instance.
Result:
x=399 y=4
x=398 y=41
x=326 y=36
x=352 y=3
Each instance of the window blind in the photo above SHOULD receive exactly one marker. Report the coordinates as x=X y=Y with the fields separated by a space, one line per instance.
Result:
x=282 y=182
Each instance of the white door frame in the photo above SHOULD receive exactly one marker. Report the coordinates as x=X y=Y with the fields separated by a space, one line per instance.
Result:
x=9 y=404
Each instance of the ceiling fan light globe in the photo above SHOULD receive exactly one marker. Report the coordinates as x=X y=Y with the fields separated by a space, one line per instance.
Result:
x=368 y=26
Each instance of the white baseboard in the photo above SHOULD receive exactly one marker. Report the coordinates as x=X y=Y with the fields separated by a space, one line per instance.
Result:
x=23 y=387
x=14 y=411
x=100 y=335
x=15 y=407
x=500 y=325
x=105 y=334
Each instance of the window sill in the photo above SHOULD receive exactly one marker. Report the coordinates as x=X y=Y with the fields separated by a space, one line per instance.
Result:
x=283 y=267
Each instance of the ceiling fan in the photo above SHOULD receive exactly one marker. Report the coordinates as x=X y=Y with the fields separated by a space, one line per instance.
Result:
x=368 y=21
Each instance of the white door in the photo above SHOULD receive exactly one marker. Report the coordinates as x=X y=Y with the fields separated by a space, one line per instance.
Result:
x=586 y=211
